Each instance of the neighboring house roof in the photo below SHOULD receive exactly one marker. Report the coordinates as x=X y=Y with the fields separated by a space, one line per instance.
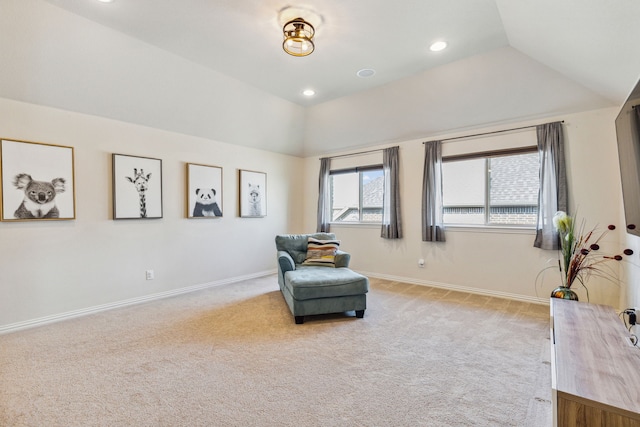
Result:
x=514 y=180
x=373 y=192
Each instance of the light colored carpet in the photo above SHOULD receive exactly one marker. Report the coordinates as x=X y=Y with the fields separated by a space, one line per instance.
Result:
x=232 y=356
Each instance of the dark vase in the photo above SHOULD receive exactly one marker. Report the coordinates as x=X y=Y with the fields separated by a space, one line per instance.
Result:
x=564 y=293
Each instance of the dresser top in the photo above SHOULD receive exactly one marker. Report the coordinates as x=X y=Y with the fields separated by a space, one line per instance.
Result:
x=594 y=357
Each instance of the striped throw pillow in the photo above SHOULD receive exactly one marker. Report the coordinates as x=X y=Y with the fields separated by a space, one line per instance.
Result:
x=321 y=252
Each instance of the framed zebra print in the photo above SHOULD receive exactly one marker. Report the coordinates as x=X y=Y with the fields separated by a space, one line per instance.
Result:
x=137 y=187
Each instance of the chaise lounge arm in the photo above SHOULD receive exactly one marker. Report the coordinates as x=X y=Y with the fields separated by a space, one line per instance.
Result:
x=285 y=261
x=342 y=259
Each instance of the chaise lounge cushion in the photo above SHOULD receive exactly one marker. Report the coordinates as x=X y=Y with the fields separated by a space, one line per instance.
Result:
x=319 y=282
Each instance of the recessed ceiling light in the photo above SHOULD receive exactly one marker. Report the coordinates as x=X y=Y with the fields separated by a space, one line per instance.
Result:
x=366 y=72
x=105 y=1
x=309 y=92
x=438 y=46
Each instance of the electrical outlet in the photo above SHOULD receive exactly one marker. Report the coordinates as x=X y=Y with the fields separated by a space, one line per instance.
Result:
x=150 y=275
x=421 y=263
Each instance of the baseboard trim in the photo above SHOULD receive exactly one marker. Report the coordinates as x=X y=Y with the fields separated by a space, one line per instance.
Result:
x=497 y=294
x=41 y=321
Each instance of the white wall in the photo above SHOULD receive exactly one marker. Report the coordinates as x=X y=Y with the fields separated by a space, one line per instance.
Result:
x=48 y=268
x=501 y=263
x=56 y=267
x=448 y=97
x=56 y=58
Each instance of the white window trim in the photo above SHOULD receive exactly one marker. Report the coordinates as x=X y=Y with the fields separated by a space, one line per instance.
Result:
x=346 y=224
x=500 y=229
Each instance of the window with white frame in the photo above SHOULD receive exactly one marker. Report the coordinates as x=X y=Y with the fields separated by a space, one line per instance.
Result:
x=357 y=194
x=497 y=188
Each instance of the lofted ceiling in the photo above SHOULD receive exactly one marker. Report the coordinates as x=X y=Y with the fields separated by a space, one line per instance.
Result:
x=243 y=38
x=510 y=59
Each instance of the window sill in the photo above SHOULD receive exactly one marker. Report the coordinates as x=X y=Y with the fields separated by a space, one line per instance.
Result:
x=489 y=229
x=356 y=224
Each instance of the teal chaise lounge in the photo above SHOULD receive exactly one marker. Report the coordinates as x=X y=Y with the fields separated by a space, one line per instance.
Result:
x=310 y=288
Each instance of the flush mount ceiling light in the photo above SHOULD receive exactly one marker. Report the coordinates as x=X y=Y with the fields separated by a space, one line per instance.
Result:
x=298 y=37
x=308 y=92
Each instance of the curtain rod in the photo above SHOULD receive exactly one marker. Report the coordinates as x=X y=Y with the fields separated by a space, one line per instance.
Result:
x=355 y=154
x=488 y=133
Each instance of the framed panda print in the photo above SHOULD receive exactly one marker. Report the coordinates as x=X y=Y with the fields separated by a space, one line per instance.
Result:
x=253 y=194
x=204 y=191
x=37 y=181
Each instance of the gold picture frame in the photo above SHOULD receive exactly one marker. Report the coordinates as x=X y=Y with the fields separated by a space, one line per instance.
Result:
x=36 y=181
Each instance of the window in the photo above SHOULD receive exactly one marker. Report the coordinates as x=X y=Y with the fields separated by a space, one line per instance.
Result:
x=498 y=188
x=357 y=194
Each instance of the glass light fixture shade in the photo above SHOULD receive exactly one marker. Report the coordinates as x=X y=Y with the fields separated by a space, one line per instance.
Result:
x=298 y=37
x=438 y=46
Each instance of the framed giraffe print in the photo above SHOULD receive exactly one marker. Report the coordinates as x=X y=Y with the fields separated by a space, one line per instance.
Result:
x=37 y=181
x=253 y=194
x=204 y=191
x=137 y=187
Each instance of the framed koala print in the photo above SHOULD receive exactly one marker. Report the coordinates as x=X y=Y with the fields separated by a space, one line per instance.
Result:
x=253 y=194
x=204 y=191
x=37 y=181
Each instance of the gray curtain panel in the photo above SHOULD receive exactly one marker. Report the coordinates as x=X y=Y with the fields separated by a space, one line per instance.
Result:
x=391 y=219
x=553 y=193
x=324 y=197
x=432 y=227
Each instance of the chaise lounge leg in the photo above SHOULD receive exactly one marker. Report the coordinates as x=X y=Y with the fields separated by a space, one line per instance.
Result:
x=359 y=314
x=299 y=320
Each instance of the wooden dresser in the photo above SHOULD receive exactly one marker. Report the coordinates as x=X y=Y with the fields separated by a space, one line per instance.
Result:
x=595 y=370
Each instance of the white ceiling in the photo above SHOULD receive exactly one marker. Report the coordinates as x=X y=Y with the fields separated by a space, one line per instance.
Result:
x=243 y=38
x=539 y=57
